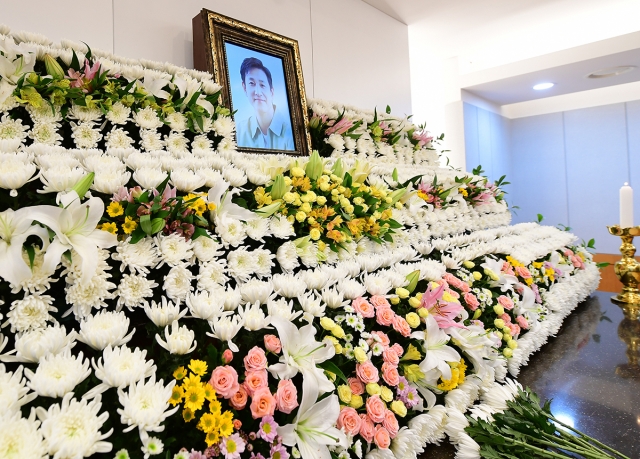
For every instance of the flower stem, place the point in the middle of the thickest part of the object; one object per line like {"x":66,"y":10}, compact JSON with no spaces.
{"x":585,"y":436}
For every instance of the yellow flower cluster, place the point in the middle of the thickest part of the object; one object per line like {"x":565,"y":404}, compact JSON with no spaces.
{"x":198,"y":203}
{"x":193,"y":392}
{"x":458,"y":372}
{"x":513,"y":262}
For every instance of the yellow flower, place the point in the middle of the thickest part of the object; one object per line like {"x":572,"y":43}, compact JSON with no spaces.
{"x":191,"y":382}
{"x":115,"y":209}
{"x":413,"y":373}
{"x":477,"y":275}
{"x":446,"y":296}
{"x":373,"y":389}
{"x":386,"y":394}
{"x":297,"y":172}
{"x":179,"y":373}
{"x":327,"y":323}
{"x":424,"y":312}
{"x":198,"y":367}
{"x":212,"y":437}
{"x":110,"y":228}
{"x":414,"y":302}
{"x":315,"y":234}
{"x":468,"y":264}
{"x":262,"y":198}
{"x":413,"y":319}
{"x":209,"y":392}
{"x":399,"y":408}
{"x":226,"y":424}
{"x":129,"y":225}
{"x":207,"y":422}
{"x":507,"y":352}
{"x":360,"y":355}
{"x":338,"y":332}
{"x":402,"y":292}
{"x":412,"y":353}
{"x":176,"y":395}
{"x":187,"y":415}
{"x":499,"y":323}
{"x":211,"y":206}
{"x":215,"y":407}
{"x":194,"y":398}
{"x":356,"y":401}
{"x":344,"y":392}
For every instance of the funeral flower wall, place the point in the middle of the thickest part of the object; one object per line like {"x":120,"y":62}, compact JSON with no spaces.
{"x":163,"y":293}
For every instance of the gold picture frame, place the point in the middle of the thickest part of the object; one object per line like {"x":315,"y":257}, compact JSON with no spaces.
{"x":262,"y":84}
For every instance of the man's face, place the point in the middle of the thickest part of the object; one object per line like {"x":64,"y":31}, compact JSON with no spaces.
{"x":256,"y":87}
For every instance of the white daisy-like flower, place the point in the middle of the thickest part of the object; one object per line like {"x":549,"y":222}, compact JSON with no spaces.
{"x":152,"y":446}
{"x":173,"y":249}
{"x":176,"y":142}
{"x":256,"y":291}
{"x":15,"y":173}
{"x":139,"y":257}
{"x":12,"y":134}
{"x":212,"y":275}
{"x":110,"y":181}
{"x":164,"y":312}
{"x":20,"y":438}
{"x":84,"y":114}
{"x":118,"y":138}
{"x":31,"y":346}
{"x":225,"y":328}
{"x":133,"y":289}
{"x":58,"y":374}
{"x":205,"y":305}
{"x":234,"y":176}
{"x":186,"y":180}
{"x":287,"y":256}
{"x":30,"y":313}
{"x":253,"y":317}
{"x":147,"y":118}
{"x":206,"y":249}
{"x":231,"y":231}
{"x":202,"y":144}
{"x":13,"y":391}
{"x":151,"y":140}
{"x":258,"y":228}
{"x":44,"y":113}
{"x":45,"y":132}
{"x":149,"y":177}
{"x":224,"y":126}
{"x":106,"y":328}
{"x":180,"y":340}
{"x":145,"y":405}
{"x":72,"y":428}
{"x":241,"y":264}
{"x":85,"y":135}
{"x":60,"y":178}
{"x":119,"y":113}
{"x":120,"y":367}
{"x":288,"y":285}
{"x":177,"y":283}
{"x":281,"y":227}
{"x":176,"y":121}
{"x":92,"y":294}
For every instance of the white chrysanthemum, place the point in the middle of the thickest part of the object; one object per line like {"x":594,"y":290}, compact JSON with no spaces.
{"x":211,"y":177}
{"x":133,"y":289}
{"x":97,"y":162}
{"x":15,"y":173}
{"x":92,"y":294}
{"x":288,"y":285}
{"x":164,"y":312}
{"x":232,"y":298}
{"x":40,"y":280}
{"x":146,"y":405}
{"x":287,"y":256}
{"x":12,"y":134}
{"x":186,"y":180}
{"x":119,"y":113}
{"x":138,"y":257}
{"x":13,"y":391}
{"x":256,"y":291}
{"x":281,"y":227}
{"x":224,"y":126}
{"x":147,"y":118}
{"x":58,"y":374}
{"x":151,"y":140}
{"x":85,"y":135}
{"x":498,"y":395}
{"x":84,"y":114}
{"x":315,"y":279}
{"x":231,"y":231}
{"x":333,"y":298}
{"x":30,"y":313}
{"x":377,"y":284}
{"x":174,"y":249}
{"x":110,"y":181}
{"x":253,"y":317}
{"x":44,"y":113}
{"x":282,"y":308}
{"x":149,"y":177}
{"x":177,"y":284}
{"x":312,"y":305}
{"x":205,"y":305}
{"x":258,"y":228}
{"x":176,"y":121}
{"x":201,"y":144}
{"x":212,"y":275}
{"x":226,"y":328}
{"x":264,"y":262}
{"x":177,"y":143}
{"x":241,"y":264}
{"x":20,"y":438}
{"x":206,"y":249}
{"x":47,"y":159}
{"x":31,"y":346}
{"x":406,"y":444}
{"x":60,"y":178}
{"x":120,"y":367}
{"x":106,"y":328}
{"x":118,"y":138}
{"x":180,"y":340}
{"x":45,"y":132}
{"x":234,"y":176}
{"x":351,"y":288}
{"x":308,"y":254}
{"x":72,"y":429}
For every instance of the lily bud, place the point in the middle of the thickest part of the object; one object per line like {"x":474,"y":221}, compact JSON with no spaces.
{"x":314,"y":166}
{"x":413,"y":279}
{"x":53,"y":68}
{"x":279,"y":188}
{"x":269,"y":210}
{"x":397,"y":195}
{"x":337,"y":169}
{"x":84,"y":184}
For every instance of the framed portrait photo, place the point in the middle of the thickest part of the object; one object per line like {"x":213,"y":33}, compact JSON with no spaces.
{"x":261,"y":78}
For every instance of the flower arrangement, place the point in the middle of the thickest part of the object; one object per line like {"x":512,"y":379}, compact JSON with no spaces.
{"x":197,"y":302}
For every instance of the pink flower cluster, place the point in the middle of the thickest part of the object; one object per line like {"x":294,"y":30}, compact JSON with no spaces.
{"x":385,"y":316}
{"x":575,"y":260}
{"x":515,"y":329}
{"x":378,"y":425}
{"x":445,"y":312}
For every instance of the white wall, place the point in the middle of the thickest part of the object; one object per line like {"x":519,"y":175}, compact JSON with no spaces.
{"x":351,"y":52}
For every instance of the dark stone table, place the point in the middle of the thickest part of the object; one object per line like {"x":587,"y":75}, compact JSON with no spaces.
{"x":591,"y":372}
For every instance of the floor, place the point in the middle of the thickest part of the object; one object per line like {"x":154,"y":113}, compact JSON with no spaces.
{"x":591,"y":375}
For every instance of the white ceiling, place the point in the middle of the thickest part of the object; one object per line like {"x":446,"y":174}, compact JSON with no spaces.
{"x":498,"y":37}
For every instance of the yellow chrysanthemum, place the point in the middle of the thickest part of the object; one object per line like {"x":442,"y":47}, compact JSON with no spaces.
{"x":212,"y":437}
{"x":192,"y":381}
{"x":187,"y":415}
{"x":115,"y":209}
{"x":176,"y":395}
{"x":110,"y":228}
{"x":198,"y":367}
{"x":179,"y":373}
{"x":207,"y":422}
{"x":209,"y":392}
{"x":215,"y":407}
{"x":194,"y":398}
{"x":129,"y":225}
{"x":226,"y":424}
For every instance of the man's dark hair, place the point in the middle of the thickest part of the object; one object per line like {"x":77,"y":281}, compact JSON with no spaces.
{"x":253,"y":63}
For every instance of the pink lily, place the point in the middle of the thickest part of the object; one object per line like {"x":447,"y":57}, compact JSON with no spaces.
{"x":443,"y":311}
{"x":340,"y":127}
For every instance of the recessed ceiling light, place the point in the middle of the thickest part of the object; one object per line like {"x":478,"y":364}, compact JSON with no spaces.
{"x":541,"y":86}
{"x":611,"y":71}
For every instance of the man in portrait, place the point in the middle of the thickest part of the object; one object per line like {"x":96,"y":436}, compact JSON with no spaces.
{"x":267,"y":127}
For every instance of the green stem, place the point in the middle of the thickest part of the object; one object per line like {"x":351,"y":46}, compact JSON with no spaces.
{"x":540,"y":451}
{"x":582,"y":441}
{"x":569,"y":447}
{"x":583,"y":435}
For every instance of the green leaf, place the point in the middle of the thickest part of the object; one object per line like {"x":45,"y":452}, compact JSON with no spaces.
{"x":145,"y":224}
{"x":394,"y":175}
{"x":540,"y":218}
{"x":156,"y":225}
{"x":602,"y":264}
{"x":328,"y":365}
{"x":388,"y":110}
{"x":200,"y":232}
{"x":137,"y":236}
{"x":32,"y":255}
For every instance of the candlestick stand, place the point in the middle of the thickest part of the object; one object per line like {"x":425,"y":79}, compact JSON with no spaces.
{"x":628,"y":271}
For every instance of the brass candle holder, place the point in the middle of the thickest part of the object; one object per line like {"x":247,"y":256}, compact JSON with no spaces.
{"x":628,"y":271}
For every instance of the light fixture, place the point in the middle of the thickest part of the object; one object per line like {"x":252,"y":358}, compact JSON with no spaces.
{"x":611,"y":71}
{"x":541,"y":86}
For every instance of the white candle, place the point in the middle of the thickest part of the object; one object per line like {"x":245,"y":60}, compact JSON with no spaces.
{"x":626,"y":206}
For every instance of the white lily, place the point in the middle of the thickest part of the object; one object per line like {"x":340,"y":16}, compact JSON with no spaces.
{"x":75,"y":228}
{"x":437,"y":353}
{"x":505,"y":281}
{"x":300,"y":353}
{"x":15,"y":228}
{"x":221,"y":197}
{"x":475,"y":343}
{"x":153,"y":84}
{"x":313,"y":428}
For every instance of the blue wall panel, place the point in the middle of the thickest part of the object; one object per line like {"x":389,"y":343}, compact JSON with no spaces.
{"x":633,"y":133}
{"x":500,"y":135}
{"x":485,"y":155}
{"x":597,"y":165}
{"x":471,"y":135}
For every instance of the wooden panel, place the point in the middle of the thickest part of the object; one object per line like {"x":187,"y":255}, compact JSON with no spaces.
{"x":609,"y":281}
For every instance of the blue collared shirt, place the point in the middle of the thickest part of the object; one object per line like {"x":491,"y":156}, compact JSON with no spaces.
{"x":278,"y":136}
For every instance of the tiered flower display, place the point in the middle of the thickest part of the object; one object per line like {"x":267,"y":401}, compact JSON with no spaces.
{"x":163,"y":294}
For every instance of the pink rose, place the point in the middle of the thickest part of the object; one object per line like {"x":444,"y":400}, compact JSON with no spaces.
{"x":384,"y":316}
{"x":375,"y":408}
{"x":349,"y":421}
{"x":367,"y":372}
{"x":390,"y":374}
{"x":262,"y":403}
{"x":356,"y":386}
{"x":506,"y":317}
{"x":286,"y":396}
{"x":515,"y":329}
{"x":224,"y":380}
{"x":363,"y":307}
{"x":367,"y":428}
{"x":401,"y":326}
{"x":522,"y":322}
{"x":453,"y":293}
{"x":390,"y":423}
{"x":384,"y":339}
{"x":227,"y":356}
{"x":398,"y":349}
{"x":523,"y":272}
{"x":382,"y":438}
{"x":255,"y":360}
{"x":255,"y":380}
{"x":471,"y":301}
{"x":272,"y":343}
{"x":379,"y":302}
{"x":505,"y":301}
{"x":239,"y":399}
{"x":390,"y":356}
{"x":507,"y":269}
